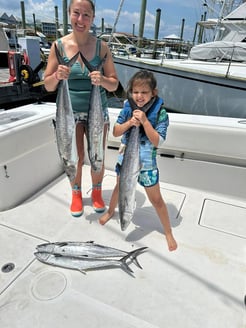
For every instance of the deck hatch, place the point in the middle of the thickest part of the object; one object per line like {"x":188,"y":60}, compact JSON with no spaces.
{"x":224,"y":217}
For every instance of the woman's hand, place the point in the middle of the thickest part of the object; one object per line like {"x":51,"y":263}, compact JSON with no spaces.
{"x":62,"y":72}
{"x":96,"y":77}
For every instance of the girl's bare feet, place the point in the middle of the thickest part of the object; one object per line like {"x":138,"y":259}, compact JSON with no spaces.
{"x":105,"y":217}
{"x":171,"y":242}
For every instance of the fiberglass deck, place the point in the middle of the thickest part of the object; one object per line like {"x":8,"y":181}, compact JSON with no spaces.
{"x":202,"y":284}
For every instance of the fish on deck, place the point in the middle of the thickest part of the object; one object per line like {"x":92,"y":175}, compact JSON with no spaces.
{"x":87,"y":249}
{"x":85,"y":262}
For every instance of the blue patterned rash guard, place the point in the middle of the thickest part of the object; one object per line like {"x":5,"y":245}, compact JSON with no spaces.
{"x":159,"y":119}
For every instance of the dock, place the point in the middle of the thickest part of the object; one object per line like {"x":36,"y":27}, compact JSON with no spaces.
{"x":17,"y":93}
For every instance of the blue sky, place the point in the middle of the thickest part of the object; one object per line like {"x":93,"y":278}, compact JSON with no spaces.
{"x":172,"y":13}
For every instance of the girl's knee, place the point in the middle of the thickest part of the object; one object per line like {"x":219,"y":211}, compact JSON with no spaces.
{"x":156,"y":200}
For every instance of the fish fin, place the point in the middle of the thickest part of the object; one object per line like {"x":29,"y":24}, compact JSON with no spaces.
{"x":91,"y":67}
{"x":145,"y":108}
{"x":87,"y":64}
{"x":82,"y":271}
{"x":125,"y":265}
{"x":61,"y":243}
{"x":135,"y":253}
{"x":73,"y":59}
{"x":132,"y":103}
{"x":61,"y":60}
{"x":57,"y":255}
{"x":59,"y":56}
{"x":54,"y":123}
{"x":133,"y":256}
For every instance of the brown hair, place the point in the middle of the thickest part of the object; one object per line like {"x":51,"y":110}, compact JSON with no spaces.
{"x":90,"y":2}
{"x":142,"y":77}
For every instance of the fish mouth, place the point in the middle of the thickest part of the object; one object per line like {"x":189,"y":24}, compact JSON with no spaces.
{"x":47,"y":248}
{"x":42,"y":256}
{"x":124,"y":225}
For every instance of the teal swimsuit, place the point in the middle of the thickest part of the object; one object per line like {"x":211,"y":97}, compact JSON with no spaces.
{"x":79,"y":84}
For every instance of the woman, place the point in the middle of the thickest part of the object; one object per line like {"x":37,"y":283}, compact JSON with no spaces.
{"x":80,"y":80}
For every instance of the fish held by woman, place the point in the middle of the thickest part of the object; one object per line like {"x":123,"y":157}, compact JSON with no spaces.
{"x":65,"y":124}
{"x":95,"y":122}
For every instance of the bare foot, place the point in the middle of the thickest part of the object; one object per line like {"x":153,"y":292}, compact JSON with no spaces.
{"x":171,"y":242}
{"x":105,"y":217}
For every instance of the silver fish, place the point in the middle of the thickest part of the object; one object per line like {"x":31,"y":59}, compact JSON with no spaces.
{"x":65,"y":124}
{"x":128,"y":179}
{"x":87,"y":249}
{"x":86,"y":264}
{"x":129,"y":172}
{"x":95,"y":121}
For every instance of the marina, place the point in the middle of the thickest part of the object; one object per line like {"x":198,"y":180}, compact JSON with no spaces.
{"x":212,"y":81}
{"x":202,"y":167}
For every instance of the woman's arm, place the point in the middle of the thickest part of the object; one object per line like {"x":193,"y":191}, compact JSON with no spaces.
{"x":109,"y":79}
{"x":54,"y":72}
{"x":50,"y":76}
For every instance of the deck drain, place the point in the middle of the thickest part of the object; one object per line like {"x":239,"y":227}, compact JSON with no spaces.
{"x":48,"y":285}
{"x":8,"y":267}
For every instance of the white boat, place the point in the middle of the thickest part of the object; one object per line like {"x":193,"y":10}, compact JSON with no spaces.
{"x":119,"y":43}
{"x":213,"y":83}
{"x":202,"y":284}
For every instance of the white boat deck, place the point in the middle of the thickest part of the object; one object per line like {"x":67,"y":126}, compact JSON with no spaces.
{"x":202,"y":284}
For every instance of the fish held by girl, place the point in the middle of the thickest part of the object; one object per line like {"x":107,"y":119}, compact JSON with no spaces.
{"x":129,"y":171}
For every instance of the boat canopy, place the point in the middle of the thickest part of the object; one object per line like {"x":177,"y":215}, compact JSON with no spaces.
{"x":219,"y":50}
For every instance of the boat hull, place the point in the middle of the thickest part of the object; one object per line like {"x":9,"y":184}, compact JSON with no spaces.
{"x":201,"y":152}
{"x":29,"y":156}
{"x":190,"y":87}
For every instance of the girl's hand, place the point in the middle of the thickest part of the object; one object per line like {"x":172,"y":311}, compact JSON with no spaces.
{"x":140,"y":116}
{"x":134,"y":121}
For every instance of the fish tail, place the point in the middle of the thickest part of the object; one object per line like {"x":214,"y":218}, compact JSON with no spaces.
{"x":59,"y":56}
{"x":61,"y":60}
{"x":134,"y":255}
{"x":89,"y":66}
{"x":125,"y":265}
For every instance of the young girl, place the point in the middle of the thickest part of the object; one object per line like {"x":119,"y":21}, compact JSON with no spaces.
{"x":142,"y":88}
